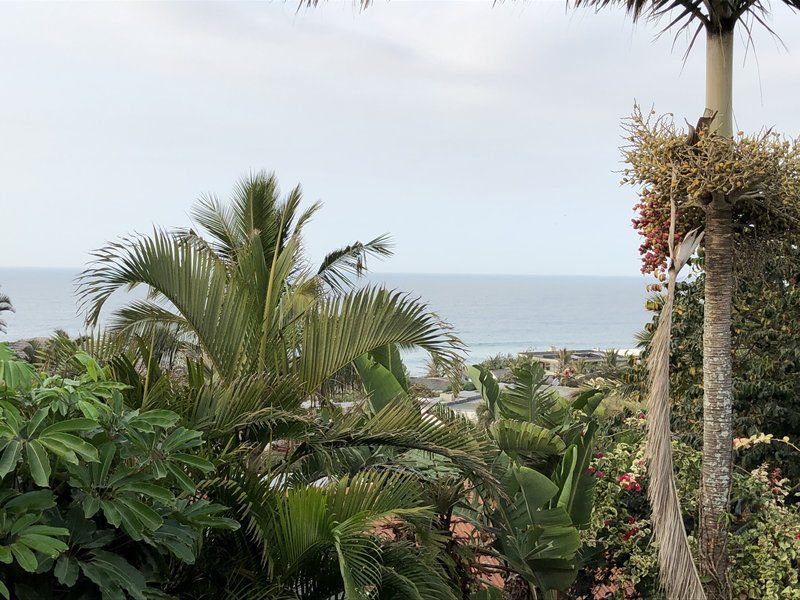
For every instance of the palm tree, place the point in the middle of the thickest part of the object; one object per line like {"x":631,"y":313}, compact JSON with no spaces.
{"x":247,"y":297}
{"x":718,"y":18}
{"x":311,"y":486}
{"x":5,"y":306}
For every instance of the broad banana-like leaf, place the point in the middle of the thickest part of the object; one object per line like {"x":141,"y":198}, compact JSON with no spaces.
{"x":15,"y":374}
{"x":588,"y":401}
{"x":535,"y":490}
{"x":574,"y":481}
{"x":486,"y":383}
{"x":381,"y":385}
{"x":389,"y":357}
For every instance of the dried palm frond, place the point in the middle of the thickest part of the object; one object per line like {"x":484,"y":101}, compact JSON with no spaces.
{"x":678,"y":574}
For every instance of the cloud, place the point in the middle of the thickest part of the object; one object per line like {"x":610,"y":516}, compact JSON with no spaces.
{"x":484,"y":138}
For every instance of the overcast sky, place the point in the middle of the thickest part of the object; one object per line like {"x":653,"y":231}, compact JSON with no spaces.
{"x":484,"y":139}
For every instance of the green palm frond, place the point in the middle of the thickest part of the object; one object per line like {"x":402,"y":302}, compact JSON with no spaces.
{"x":299,"y":530}
{"x":339,"y":267}
{"x":403,"y":425}
{"x":253,"y":408}
{"x":213,"y":306}
{"x":340,"y":330}
{"x":412,"y":573}
{"x":520,"y":438}
{"x":245,"y":298}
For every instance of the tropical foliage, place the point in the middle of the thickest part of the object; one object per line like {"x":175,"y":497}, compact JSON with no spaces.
{"x":96,"y":499}
{"x":223,"y":387}
{"x":546,"y":444}
{"x":246,"y":297}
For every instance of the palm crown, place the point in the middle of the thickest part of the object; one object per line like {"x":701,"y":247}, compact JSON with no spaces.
{"x":716,"y":16}
{"x":246,"y":295}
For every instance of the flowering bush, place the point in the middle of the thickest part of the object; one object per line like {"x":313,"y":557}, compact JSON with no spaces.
{"x":765,"y":526}
{"x":765,"y":555}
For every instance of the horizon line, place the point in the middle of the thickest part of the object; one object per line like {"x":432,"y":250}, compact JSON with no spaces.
{"x":367,"y":273}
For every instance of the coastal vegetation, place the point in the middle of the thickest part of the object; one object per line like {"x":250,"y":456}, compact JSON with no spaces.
{"x":720,"y":184}
{"x":247,"y":428}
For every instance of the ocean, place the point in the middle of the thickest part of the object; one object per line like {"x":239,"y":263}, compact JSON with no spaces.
{"x":491,"y":313}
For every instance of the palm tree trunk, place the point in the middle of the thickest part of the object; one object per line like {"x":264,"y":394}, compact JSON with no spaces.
{"x":717,"y":368}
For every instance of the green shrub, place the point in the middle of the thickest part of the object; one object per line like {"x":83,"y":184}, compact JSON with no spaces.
{"x":96,"y":500}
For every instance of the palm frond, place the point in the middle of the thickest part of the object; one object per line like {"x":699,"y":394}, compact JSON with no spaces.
{"x":717,"y":18}
{"x":403,"y":425}
{"x":340,"y":266}
{"x":678,"y":573}
{"x":252,"y":408}
{"x":196,"y":283}
{"x":5,"y":306}
{"x":339,"y":330}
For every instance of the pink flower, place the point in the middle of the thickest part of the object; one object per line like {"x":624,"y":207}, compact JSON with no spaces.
{"x":637,"y":487}
{"x":599,"y":474}
{"x":607,"y":522}
{"x":599,"y":455}
{"x":627,"y":535}
{"x":631,"y":520}
{"x":624,"y":477}
{"x":590,"y":469}
{"x":641,"y":415}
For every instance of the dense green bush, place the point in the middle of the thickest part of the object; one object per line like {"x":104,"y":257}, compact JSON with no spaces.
{"x":96,"y":499}
{"x":766,"y":352}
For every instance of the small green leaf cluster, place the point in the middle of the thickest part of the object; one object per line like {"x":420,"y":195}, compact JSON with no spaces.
{"x":96,"y":498}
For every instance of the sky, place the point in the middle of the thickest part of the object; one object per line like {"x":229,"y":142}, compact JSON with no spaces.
{"x":484,"y":139}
